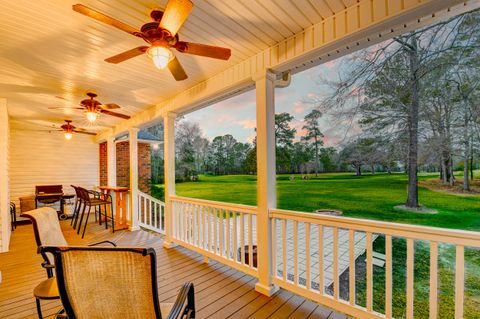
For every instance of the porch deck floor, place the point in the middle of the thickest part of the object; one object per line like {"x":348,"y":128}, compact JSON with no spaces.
{"x":220,"y":291}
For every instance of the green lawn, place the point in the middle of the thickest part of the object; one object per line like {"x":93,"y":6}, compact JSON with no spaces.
{"x":365,"y":196}
{"x":374,"y":197}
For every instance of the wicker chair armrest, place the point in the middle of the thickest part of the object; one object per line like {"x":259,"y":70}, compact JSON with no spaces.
{"x":184,"y":306}
{"x":104,"y":242}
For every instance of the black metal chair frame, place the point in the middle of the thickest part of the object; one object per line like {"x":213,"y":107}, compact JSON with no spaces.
{"x":46,"y":264}
{"x":96,"y":200}
{"x":13,"y":215}
{"x":179,"y":310}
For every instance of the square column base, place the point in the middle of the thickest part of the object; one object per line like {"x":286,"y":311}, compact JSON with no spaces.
{"x":266,"y":290}
{"x":169,"y":244}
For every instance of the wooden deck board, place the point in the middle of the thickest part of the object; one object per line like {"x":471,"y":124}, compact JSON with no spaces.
{"x":220,"y":291}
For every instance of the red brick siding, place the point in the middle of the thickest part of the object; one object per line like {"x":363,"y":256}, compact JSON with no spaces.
{"x":123,"y":164}
{"x":144,"y":166}
{"x":103,"y":163}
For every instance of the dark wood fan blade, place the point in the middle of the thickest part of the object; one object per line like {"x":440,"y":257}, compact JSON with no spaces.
{"x":177,"y":70}
{"x":204,"y":50}
{"x":80,"y":8}
{"x":109,"y":106}
{"x":65,"y":107}
{"x":127,"y":55}
{"x":84,"y":132}
{"x":175,"y":15}
{"x":123,"y":116}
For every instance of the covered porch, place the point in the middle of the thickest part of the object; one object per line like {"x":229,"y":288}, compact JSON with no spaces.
{"x":245,"y":261}
{"x":221,"y":291}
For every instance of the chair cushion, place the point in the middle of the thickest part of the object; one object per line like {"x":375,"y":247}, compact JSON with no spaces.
{"x":48,"y":226}
{"x":47,"y":289}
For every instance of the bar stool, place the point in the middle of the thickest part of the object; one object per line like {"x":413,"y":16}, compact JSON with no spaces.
{"x":97,"y":201}
{"x":78,"y":205}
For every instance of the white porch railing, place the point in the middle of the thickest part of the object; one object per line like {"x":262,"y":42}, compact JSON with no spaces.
{"x":221,"y":231}
{"x":298,"y":268}
{"x":228,"y":233}
{"x":151,"y":213}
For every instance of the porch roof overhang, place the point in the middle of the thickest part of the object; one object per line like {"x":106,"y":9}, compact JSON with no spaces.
{"x":358,"y":25}
{"x":62,"y":55}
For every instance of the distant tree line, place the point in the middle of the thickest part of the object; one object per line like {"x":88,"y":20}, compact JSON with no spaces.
{"x":415,"y":98}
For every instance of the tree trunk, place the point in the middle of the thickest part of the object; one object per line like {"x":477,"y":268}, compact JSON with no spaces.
{"x":373,"y":169}
{"x":358,"y":170}
{"x":451,"y":177}
{"x":412,"y":197}
{"x":316,"y":156}
{"x":466,"y":155}
{"x":471,"y":166}
{"x":445,"y":176}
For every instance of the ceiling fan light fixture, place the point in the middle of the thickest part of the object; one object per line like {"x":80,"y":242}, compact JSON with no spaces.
{"x":160,"y":56}
{"x":68,"y":135}
{"x":91,"y":116}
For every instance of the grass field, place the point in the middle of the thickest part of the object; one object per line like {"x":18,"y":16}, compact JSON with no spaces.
{"x":367,"y":196}
{"x":374,"y":197}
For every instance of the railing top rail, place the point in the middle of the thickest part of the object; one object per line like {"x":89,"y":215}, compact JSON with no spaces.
{"x":459,"y":237}
{"x":221,"y":205}
{"x":150,"y":197}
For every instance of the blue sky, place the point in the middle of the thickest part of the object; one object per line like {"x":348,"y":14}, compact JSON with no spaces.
{"x":236,"y":116}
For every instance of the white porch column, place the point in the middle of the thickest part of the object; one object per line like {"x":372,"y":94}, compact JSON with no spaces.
{"x":111,"y":161}
{"x":133,"y":144}
{"x":266,"y":192}
{"x":169,"y":175}
{"x":4,"y":179}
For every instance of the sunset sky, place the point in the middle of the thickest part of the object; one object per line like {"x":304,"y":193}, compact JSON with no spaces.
{"x":236,"y":116}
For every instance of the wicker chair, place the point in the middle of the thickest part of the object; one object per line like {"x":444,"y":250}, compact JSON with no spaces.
{"x":110,"y":283}
{"x":48,"y":232}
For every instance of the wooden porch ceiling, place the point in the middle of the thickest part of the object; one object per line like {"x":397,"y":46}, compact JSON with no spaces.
{"x":220,"y":291}
{"x":49,"y":50}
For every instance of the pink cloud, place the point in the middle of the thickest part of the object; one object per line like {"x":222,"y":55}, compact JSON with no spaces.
{"x":248,"y":123}
{"x":224,"y":118}
{"x":298,"y":125}
{"x":298,"y":107}
{"x":330,"y":64}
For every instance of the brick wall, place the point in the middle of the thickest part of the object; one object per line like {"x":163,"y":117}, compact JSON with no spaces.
{"x":103,"y":163}
{"x":144,"y":166}
{"x":123,"y":164}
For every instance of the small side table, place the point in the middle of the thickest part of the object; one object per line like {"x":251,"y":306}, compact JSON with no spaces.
{"x":120,"y":204}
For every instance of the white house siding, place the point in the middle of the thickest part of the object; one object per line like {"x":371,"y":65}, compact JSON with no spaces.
{"x":46,"y":158}
{"x":4,"y":178}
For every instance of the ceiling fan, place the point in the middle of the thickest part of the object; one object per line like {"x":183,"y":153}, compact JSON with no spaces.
{"x":69,"y":129}
{"x":161,"y":35}
{"x":93,"y":108}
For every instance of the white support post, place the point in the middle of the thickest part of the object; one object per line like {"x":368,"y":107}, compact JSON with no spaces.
{"x":111,"y":161}
{"x":4,"y":181}
{"x":266,"y":180}
{"x":169,"y":176}
{"x":133,"y":144}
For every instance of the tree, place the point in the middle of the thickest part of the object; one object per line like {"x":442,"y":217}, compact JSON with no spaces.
{"x":302,"y":154}
{"x":384,"y":87}
{"x":284,"y":136}
{"x":313,"y":133}
{"x":352,"y":154}
{"x":327,"y":158}
{"x":189,"y":142}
